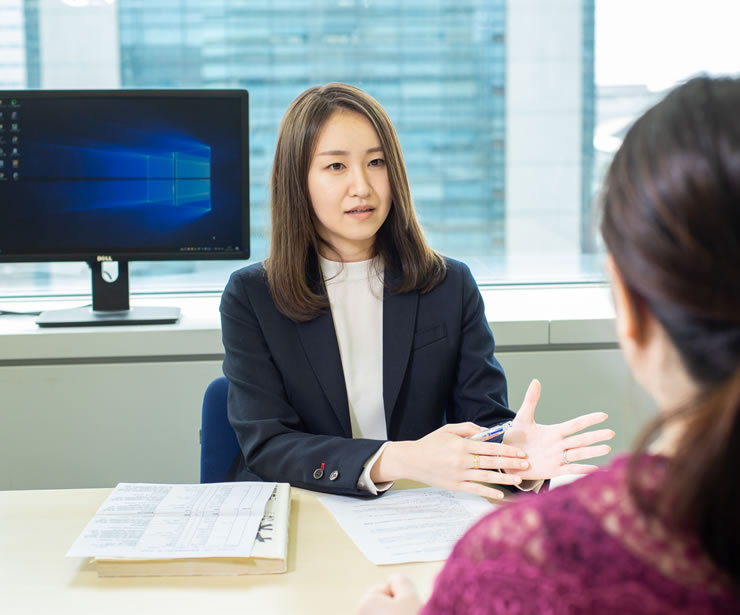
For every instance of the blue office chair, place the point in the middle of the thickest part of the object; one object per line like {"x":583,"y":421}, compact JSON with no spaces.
{"x":218,"y":444}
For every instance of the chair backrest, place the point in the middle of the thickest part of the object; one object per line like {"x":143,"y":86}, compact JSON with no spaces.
{"x":218,"y":444}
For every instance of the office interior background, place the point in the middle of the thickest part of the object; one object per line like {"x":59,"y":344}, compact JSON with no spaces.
{"x":508,"y":112}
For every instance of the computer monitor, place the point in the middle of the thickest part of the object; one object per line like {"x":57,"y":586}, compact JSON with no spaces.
{"x":122,"y":175}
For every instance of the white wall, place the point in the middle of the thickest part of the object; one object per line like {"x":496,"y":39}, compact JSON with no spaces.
{"x":94,"y":425}
{"x":91,"y":408}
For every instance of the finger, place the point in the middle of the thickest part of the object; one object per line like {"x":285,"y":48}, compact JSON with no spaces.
{"x":494,"y":462}
{"x":588,"y":452}
{"x":492,"y":477}
{"x":374,"y":598}
{"x":482,"y":490}
{"x":380,"y":588}
{"x":589,"y":438}
{"x":577,"y":468}
{"x":491,"y":449}
{"x":463,"y":430}
{"x":582,"y":422}
{"x":400,"y":585}
{"x":531,"y":397}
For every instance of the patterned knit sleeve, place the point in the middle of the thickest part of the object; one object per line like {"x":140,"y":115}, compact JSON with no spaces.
{"x":496,"y":568}
{"x":583,"y":548}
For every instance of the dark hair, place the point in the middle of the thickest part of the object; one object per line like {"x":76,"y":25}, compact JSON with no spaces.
{"x":292,"y":266}
{"x":671,"y":221}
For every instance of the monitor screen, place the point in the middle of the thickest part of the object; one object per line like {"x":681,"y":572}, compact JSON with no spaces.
{"x":123,"y":175}
{"x":132,"y":175}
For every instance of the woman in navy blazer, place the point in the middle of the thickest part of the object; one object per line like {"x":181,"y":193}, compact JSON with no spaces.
{"x":339,"y":191}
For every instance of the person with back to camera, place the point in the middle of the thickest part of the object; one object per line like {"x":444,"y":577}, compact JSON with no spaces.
{"x":656,"y":532}
{"x":356,"y":355}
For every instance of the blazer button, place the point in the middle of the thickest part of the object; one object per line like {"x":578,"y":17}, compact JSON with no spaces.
{"x":334,"y":475}
{"x":318,"y":473}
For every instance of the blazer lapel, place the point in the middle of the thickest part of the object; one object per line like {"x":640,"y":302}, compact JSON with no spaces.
{"x":399,"y":323}
{"x":319,"y":340}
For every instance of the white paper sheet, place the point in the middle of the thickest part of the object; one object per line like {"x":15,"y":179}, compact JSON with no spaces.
{"x":155,"y":521}
{"x":411,"y":525}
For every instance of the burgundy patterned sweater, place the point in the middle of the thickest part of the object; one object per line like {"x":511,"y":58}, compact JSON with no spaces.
{"x":581,"y":549}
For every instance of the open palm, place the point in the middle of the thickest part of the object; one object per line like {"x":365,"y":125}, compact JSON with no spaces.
{"x":546,"y":445}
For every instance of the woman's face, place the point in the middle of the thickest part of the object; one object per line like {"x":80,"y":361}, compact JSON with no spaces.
{"x":348,"y":185}
{"x":649,"y":352}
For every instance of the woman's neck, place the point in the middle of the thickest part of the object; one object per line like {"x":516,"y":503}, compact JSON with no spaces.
{"x":346,"y":256}
{"x":666,"y":443}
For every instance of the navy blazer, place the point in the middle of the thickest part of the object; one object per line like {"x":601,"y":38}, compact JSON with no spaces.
{"x":287,"y":396}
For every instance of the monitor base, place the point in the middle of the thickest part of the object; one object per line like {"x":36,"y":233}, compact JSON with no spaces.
{"x":87,"y":317}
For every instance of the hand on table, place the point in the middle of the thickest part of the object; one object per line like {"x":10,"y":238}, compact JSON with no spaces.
{"x":445,"y":458}
{"x":553,"y":450}
{"x":397,"y":596}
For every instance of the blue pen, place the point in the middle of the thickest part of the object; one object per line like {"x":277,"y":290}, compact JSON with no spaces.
{"x":491,"y":432}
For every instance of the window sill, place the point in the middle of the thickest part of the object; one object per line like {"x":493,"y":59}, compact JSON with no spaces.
{"x":550,"y":316}
{"x":522,"y":318}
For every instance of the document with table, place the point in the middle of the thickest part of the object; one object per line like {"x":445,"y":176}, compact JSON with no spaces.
{"x":412,"y":525}
{"x":212,"y":529}
{"x":160,"y":529}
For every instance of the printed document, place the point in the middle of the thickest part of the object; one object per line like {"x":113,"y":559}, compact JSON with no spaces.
{"x":409,"y":525}
{"x":156,"y":521}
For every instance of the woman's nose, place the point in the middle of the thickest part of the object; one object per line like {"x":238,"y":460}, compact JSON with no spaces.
{"x":360,"y":186}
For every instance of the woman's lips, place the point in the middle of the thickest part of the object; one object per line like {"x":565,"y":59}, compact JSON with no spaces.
{"x":360,"y":213}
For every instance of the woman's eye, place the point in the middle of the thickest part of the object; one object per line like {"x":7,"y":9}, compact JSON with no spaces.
{"x":377,"y":162}
{"x":335,"y":166}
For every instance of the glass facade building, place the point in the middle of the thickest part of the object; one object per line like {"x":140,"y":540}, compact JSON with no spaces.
{"x":437,"y":66}
{"x":12,"y":45}
{"x":445,"y":70}
{"x":32,"y":34}
{"x":588,"y":158}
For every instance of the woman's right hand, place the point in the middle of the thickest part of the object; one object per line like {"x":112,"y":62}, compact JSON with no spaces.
{"x":445,"y":458}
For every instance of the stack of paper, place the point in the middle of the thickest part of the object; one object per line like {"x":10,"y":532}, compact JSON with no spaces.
{"x":220,"y":529}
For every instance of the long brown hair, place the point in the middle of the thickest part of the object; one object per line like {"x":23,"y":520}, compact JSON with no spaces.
{"x":671,"y":220}
{"x":292,"y":266}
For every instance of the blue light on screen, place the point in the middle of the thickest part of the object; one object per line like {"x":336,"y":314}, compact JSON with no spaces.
{"x":158,"y":174}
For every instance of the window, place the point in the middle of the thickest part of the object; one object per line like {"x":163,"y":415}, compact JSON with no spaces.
{"x":508,"y":112}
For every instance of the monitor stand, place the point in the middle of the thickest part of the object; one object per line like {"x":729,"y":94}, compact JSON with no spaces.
{"x":110,"y":305}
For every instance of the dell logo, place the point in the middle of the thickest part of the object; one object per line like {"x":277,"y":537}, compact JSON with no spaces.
{"x":102,"y":259}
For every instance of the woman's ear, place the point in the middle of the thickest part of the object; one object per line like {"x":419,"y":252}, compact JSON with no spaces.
{"x":627,"y":309}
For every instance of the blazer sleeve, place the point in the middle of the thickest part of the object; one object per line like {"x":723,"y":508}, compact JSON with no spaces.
{"x":480,"y":393}
{"x":276,"y":442}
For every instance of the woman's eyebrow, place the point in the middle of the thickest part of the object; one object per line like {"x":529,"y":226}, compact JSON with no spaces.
{"x":341,"y":152}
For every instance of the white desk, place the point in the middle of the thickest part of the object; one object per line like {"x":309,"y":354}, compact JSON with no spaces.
{"x":326,"y":573}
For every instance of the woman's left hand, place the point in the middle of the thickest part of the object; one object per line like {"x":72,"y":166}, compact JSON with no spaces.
{"x":397,"y":596}
{"x":553,"y":450}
